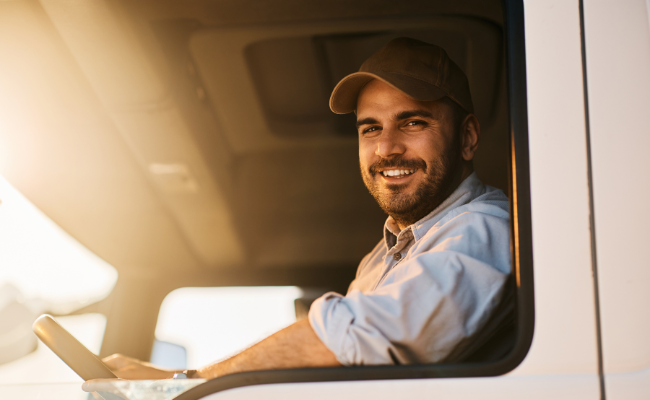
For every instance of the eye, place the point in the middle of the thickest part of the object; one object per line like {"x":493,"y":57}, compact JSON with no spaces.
{"x":370,"y":129}
{"x":415,"y":123}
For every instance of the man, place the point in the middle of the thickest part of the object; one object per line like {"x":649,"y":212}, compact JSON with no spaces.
{"x":433,"y":281}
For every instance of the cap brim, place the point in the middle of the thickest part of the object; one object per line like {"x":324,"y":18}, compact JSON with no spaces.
{"x":345,"y":94}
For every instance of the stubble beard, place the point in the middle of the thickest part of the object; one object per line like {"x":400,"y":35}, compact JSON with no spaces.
{"x":440,"y":179}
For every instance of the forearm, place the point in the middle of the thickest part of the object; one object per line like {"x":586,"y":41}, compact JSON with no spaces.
{"x":296,"y":346}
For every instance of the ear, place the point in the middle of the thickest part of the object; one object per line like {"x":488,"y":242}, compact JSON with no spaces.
{"x":471,"y":132}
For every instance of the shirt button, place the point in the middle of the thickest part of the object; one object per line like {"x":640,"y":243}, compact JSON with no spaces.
{"x":397,"y":256}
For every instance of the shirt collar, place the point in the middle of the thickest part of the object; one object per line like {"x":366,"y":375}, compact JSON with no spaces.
{"x":464,"y":193}
{"x":391,"y":232}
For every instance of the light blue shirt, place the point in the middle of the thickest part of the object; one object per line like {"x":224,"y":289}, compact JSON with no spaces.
{"x":422,"y":292}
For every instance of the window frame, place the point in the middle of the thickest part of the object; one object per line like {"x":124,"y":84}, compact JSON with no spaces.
{"x":521,"y":248}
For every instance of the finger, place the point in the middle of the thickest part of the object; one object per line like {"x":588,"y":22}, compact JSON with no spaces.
{"x":118,"y":361}
{"x":144,"y":373}
{"x":139,"y":371}
{"x":111,"y":396}
{"x":112,"y":359}
{"x":105,"y":388}
{"x":101,"y":385}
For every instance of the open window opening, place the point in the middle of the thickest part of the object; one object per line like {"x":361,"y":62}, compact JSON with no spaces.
{"x":285,"y":74}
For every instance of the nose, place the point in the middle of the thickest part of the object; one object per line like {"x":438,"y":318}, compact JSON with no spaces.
{"x":390,"y":143}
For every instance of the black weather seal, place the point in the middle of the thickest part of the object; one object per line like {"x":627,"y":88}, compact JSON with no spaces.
{"x":337,"y":374}
{"x":592,"y":220}
{"x":522,"y":257}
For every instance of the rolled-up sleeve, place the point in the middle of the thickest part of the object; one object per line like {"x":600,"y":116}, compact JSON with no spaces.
{"x":421,"y":310}
{"x":331,"y":319}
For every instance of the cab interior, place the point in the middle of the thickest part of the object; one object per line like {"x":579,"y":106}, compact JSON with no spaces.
{"x":190,"y":143}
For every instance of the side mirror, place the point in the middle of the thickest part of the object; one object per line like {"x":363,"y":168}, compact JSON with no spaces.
{"x":169,"y":355}
{"x":16,"y":336}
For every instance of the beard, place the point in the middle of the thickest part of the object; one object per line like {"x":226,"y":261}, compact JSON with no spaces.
{"x":441,"y":177}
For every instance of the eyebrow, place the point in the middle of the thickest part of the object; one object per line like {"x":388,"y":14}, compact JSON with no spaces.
{"x":366,"y":121}
{"x":414,"y":113}
{"x":399,"y":117}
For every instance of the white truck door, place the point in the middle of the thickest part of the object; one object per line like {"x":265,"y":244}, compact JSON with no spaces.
{"x":617,"y":37}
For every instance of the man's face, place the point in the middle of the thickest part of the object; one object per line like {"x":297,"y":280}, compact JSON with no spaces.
{"x":409,"y":151}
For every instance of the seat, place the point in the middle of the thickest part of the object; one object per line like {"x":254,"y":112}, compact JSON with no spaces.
{"x":497,"y":338}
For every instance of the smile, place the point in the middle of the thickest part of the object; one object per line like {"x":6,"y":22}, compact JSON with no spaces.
{"x":397,"y":173}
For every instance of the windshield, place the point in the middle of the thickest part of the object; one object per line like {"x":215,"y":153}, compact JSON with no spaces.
{"x":44,"y":270}
{"x":47,"y":271}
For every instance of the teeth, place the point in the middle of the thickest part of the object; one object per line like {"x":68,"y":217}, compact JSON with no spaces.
{"x":397,"y":172}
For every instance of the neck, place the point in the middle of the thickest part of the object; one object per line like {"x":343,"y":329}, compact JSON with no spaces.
{"x":464,"y":172}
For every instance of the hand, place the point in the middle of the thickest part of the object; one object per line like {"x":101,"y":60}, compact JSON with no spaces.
{"x":109,"y":389}
{"x":129,"y":368}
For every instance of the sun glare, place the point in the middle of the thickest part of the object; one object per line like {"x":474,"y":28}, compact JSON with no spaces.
{"x":213,"y":323}
{"x":43,"y":262}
